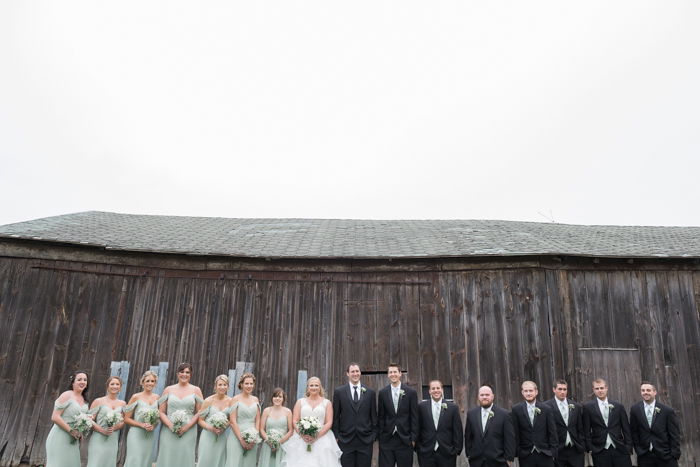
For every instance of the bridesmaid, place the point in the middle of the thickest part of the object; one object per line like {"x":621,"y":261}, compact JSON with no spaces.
{"x":62,"y":449}
{"x":212,"y":441}
{"x":278,"y":417}
{"x":245,"y":414}
{"x":139,"y":441}
{"x":104,"y":441}
{"x":177,"y":449}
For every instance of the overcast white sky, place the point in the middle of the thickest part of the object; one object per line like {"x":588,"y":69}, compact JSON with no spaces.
{"x":577,"y":112}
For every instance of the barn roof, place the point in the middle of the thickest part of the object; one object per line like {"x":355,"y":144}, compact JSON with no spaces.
{"x":342,"y":238}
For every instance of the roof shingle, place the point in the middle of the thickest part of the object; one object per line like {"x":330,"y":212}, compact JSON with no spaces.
{"x":342,"y":238}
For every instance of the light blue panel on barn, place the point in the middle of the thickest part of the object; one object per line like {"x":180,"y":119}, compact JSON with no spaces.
{"x":302,"y":377}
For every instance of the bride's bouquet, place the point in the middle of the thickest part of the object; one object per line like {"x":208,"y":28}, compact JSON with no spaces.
{"x":82,"y":423}
{"x":250,"y":436}
{"x":179,"y":419}
{"x":309,"y":426}
{"x":219,"y":421}
{"x":113,"y":418}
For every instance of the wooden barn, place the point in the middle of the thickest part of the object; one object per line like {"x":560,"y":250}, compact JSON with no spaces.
{"x":463,"y":301}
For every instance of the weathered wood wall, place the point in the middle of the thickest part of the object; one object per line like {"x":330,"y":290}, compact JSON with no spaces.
{"x":464,"y":322}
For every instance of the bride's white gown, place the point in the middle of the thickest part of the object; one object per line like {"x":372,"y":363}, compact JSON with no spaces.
{"x":324,"y":451}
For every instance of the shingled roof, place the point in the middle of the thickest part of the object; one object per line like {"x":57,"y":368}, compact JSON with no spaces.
{"x":342,"y":238}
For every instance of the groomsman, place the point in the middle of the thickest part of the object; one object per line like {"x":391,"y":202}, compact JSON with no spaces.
{"x":607,"y":429}
{"x":355,"y":419}
{"x":398,"y":421}
{"x":440,"y":430}
{"x":655,"y":432}
{"x":535,"y":430}
{"x":568,"y":417}
{"x":489,"y":440}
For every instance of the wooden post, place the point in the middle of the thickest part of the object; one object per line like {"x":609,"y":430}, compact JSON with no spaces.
{"x":121,"y":369}
{"x":302,"y":376}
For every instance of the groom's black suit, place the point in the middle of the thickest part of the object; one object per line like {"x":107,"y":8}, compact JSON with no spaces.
{"x":398,"y":429}
{"x":355,"y":425}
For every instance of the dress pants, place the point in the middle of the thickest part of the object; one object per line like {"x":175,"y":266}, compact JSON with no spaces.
{"x":569,"y":457}
{"x":611,"y":458}
{"x":536,"y":459}
{"x":394,"y":452}
{"x":436,"y":459}
{"x":650,"y":459}
{"x":356,"y":456}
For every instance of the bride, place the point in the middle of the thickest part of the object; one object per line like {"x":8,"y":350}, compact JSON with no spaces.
{"x":324,"y":449}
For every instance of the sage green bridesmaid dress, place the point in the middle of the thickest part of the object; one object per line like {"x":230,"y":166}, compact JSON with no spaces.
{"x":62,"y":450}
{"x":267,"y":457}
{"x":174,"y":450}
{"x":102,"y":449}
{"x":236,"y":456}
{"x":212,"y":448}
{"x":139,"y":442}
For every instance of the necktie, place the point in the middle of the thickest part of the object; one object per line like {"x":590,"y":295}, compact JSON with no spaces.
{"x":355,"y":397}
{"x":564,"y":409}
{"x":436,"y":418}
{"x":395,"y":396}
{"x":606,"y":413}
{"x":484,"y":419}
{"x":531,"y":414}
{"x":650,"y":414}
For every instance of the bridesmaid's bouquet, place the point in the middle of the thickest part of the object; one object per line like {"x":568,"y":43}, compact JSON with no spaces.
{"x":219,"y":421}
{"x":179,"y":419}
{"x":82,"y":423}
{"x":150,"y":416}
{"x":250,"y":436}
{"x":113,"y":418}
{"x":273,"y":439}
{"x":309,"y":426}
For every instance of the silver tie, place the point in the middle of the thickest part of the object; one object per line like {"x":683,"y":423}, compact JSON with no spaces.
{"x":395,"y":397}
{"x":650,"y":415}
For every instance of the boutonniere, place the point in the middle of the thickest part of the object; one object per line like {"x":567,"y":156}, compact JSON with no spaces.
{"x":444,"y":406}
{"x":490,"y":414}
{"x":572,"y":406}
{"x":537,"y":411}
{"x":363,"y":390}
{"x":402,"y":393}
{"x":657,"y":410}
{"x":610,"y":406}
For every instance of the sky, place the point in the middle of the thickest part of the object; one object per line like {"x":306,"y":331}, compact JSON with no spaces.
{"x":570,"y":112}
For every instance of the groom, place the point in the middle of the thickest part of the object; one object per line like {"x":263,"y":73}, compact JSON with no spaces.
{"x":398,"y":421}
{"x":355,"y":419}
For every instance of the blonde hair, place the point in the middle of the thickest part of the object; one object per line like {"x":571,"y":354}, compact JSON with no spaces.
{"x":322,"y":392}
{"x":146,"y":375}
{"x":223,"y":378}
{"x":244,"y":377}
{"x":109,"y":380}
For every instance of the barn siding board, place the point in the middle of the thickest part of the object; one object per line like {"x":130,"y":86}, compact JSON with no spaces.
{"x":468,"y":325}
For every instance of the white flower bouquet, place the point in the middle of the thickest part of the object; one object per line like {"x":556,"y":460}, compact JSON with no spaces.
{"x":82,"y":423}
{"x":273,"y":438}
{"x":113,"y":418}
{"x":309,"y":426}
{"x":150,"y":416}
{"x":179,"y":419}
{"x":219,"y":421}
{"x":250,"y":436}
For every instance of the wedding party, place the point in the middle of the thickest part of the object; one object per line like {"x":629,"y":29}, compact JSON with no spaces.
{"x":238,"y":431}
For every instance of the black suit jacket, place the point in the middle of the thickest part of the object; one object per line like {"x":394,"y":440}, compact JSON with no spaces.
{"x":596,"y":431}
{"x":448,"y":433}
{"x":663,"y":434}
{"x":404,"y":419}
{"x":574,"y":427}
{"x":496,"y":443}
{"x":541,"y":434}
{"x":354,"y":423}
